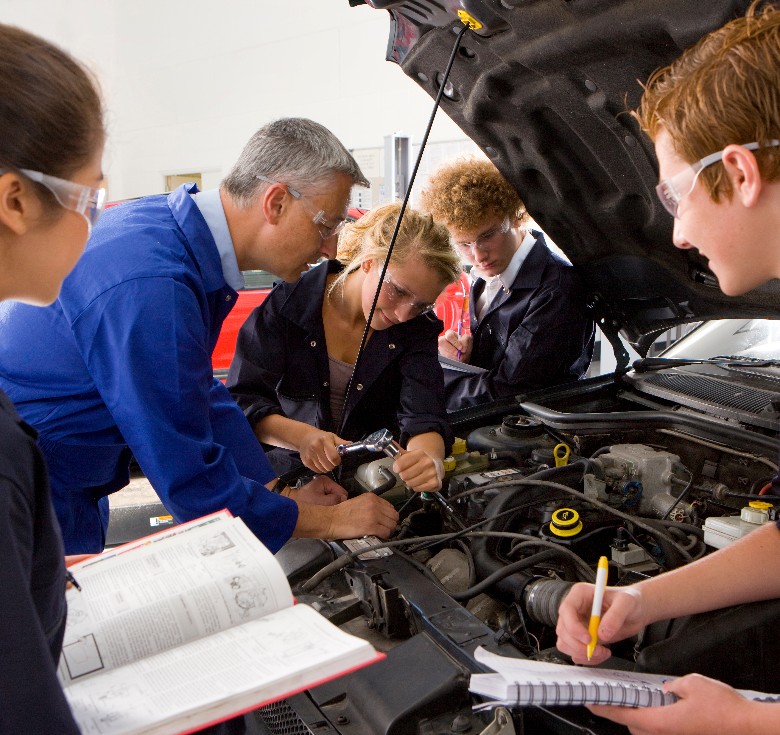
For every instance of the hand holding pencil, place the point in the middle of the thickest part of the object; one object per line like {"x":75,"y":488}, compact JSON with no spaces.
{"x":620,"y":613}
{"x":454,"y":346}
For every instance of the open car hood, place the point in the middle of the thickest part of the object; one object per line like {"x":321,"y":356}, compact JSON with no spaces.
{"x":543,"y":88}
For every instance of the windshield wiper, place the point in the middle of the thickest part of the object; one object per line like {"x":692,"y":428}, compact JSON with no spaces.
{"x":646,"y":364}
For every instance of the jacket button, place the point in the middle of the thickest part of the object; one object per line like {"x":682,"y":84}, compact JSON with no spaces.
{"x":313,"y":343}
{"x":359,"y":386}
{"x":325,"y":384}
{"x":229,"y":297}
{"x":391,"y":346}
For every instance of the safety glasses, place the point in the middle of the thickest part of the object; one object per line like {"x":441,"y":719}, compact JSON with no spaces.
{"x":486,"y":239}
{"x":320,"y":219}
{"x":399,"y":295}
{"x":671,"y":191}
{"x":85,"y":200}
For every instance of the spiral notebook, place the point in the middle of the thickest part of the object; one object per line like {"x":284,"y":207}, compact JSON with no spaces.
{"x":525,"y":682}
{"x":458,"y":366}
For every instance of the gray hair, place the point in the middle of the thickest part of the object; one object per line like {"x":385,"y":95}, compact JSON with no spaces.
{"x":294,"y":151}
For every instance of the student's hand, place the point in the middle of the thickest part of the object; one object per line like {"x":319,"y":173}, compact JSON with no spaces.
{"x":450,"y":343}
{"x":420,"y":471}
{"x":318,"y":450}
{"x":622,"y":616}
{"x":705,"y":706}
{"x":320,"y":491}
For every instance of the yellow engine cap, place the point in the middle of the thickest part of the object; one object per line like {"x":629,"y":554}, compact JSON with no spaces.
{"x":561,"y":454}
{"x":469,"y":20}
{"x":449,"y":464}
{"x":565,"y":522}
{"x":760,"y":504}
{"x":459,"y":446}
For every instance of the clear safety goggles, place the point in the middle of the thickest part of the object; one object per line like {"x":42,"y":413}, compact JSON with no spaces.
{"x":398,"y":295}
{"x":320,"y":219}
{"x":486,"y":239}
{"x":85,"y":200}
{"x":671,"y":191}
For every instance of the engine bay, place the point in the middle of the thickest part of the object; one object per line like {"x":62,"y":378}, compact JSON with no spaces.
{"x":535,"y":491}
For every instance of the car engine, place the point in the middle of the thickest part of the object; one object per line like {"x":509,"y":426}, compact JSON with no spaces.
{"x":536,"y":490}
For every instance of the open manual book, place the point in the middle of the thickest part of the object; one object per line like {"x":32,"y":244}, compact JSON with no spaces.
{"x":190,"y":627}
{"x":525,"y":682}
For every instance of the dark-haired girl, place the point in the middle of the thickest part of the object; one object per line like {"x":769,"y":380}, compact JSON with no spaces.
{"x":51,"y":144}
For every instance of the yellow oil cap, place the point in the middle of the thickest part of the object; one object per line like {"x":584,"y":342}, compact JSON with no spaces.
{"x":459,"y":446}
{"x":565,"y":522}
{"x":449,"y":464}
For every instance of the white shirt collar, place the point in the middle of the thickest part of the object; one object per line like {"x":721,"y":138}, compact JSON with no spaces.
{"x":507,"y":278}
{"x":210,"y":206}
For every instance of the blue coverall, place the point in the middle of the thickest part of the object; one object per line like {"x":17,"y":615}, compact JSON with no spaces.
{"x":121,"y":364}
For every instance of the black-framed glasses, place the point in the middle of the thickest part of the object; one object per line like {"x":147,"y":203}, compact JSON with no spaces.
{"x":398,"y":295}
{"x":671,"y":191}
{"x":325,"y":227}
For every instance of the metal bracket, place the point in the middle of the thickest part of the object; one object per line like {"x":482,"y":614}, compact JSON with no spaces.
{"x":502,"y":723}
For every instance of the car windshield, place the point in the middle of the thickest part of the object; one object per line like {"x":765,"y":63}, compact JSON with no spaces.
{"x":752,"y":338}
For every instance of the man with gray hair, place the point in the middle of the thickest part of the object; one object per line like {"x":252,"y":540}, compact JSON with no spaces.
{"x":120,"y":364}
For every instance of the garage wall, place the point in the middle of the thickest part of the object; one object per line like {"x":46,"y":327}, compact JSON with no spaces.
{"x":187,"y":83}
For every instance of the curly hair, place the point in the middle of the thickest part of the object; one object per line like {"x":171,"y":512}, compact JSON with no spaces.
{"x":725,"y":89}
{"x":466,"y":192}
{"x":419,"y":236}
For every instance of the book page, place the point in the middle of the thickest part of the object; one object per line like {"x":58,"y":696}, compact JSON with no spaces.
{"x":222,"y":516}
{"x":162,"y":594}
{"x":218,"y":676}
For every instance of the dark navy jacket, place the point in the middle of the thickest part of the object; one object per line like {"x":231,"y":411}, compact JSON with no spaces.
{"x":281,"y":367}
{"x":535,"y":335}
{"x":121,"y":362}
{"x":32,"y":588}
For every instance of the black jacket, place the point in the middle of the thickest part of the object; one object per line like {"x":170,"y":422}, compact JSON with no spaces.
{"x":535,"y":335}
{"x":32,"y":588}
{"x":281,"y":367}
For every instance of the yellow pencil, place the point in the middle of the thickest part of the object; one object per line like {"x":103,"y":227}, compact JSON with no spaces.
{"x":598,"y":599}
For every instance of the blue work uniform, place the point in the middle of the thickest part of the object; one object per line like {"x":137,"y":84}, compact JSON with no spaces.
{"x":32,"y":588}
{"x":535,"y":334}
{"x":121,"y":364}
{"x":281,"y":367}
